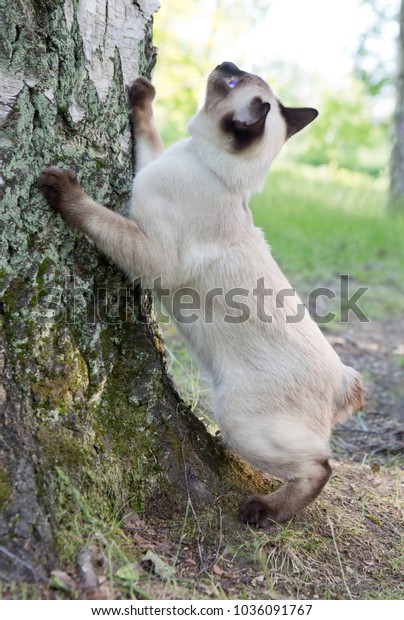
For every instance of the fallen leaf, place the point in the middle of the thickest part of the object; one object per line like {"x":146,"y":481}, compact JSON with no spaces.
{"x":153,"y":563}
{"x":128,"y":573}
{"x":60,"y":580}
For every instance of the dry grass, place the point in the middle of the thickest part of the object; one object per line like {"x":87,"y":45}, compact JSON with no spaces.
{"x":346,"y":545}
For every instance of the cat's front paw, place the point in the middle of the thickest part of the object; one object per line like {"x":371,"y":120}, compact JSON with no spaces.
{"x":141,"y":93}
{"x":62,"y":191}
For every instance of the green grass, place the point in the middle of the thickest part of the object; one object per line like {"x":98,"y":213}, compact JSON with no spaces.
{"x":321,"y":222}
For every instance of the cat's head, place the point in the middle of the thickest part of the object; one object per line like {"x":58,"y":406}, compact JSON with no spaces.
{"x":242,"y":116}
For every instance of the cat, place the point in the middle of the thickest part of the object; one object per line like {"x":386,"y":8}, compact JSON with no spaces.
{"x":278,"y":386}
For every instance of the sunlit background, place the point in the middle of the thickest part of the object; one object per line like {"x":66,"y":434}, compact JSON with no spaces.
{"x":337,"y":56}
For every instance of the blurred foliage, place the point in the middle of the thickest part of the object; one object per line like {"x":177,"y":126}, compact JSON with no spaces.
{"x":181,"y":66}
{"x":188,"y":36}
{"x":375,"y":60}
{"x":348,"y":133}
{"x":322,"y":222}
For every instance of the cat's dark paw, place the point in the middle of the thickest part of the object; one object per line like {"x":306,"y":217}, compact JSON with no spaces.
{"x":57,"y":185}
{"x":141,"y":93}
{"x":256,"y":512}
{"x":64,"y":194}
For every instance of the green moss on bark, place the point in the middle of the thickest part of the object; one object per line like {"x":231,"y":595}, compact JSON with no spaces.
{"x":5,"y":489}
{"x":73,"y":402}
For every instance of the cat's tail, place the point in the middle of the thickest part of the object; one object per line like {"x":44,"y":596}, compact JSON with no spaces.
{"x":351,"y":396}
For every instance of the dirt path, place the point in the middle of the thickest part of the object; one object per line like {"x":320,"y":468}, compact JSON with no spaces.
{"x":377,"y":350}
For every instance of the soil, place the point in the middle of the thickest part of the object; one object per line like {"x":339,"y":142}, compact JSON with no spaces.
{"x":377,"y":350}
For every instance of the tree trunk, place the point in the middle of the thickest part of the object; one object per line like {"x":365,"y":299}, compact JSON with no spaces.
{"x":396,"y":200}
{"x":88,"y":414}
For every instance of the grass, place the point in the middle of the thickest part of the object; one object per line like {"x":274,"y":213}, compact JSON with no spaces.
{"x":345,"y":545}
{"x":332,"y":550}
{"x":322,"y":222}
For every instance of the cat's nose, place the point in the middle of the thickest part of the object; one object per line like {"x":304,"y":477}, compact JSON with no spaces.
{"x":229,"y":68}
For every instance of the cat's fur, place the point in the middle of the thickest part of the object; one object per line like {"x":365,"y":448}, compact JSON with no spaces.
{"x":278,"y":387}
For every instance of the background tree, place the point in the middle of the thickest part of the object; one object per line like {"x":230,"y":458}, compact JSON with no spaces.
{"x":89,"y":421}
{"x":396,"y":202}
{"x":375,"y":62}
{"x":380,"y":68}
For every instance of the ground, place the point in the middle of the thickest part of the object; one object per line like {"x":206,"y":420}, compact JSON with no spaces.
{"x":348,"y":543}
{"x":377,"y":435}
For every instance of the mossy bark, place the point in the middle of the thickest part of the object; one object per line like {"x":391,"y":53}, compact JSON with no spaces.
{"x":85,"y":400}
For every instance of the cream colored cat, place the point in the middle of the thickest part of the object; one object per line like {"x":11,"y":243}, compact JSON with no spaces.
{"x":278,"y":385}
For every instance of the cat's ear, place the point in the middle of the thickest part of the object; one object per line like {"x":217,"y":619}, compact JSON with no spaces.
{"x":297,"y":118}
{"x":248,"y":126}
